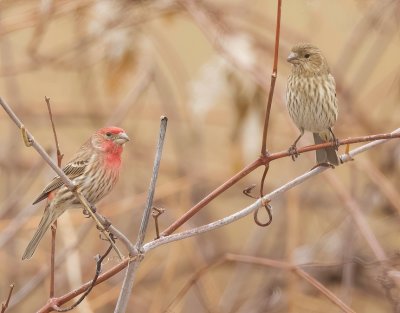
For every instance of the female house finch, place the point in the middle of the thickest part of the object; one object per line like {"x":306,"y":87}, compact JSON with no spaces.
{"x":311,"y":99}
{"x":94,"y":170}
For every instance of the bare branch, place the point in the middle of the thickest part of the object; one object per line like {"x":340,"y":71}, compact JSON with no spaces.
{"x":99,"y":261}
{"x":127,"y":285}
{"x":274,"y":75}
{"x":54,"y":226}
{"x":59,"y":155}
{"x":4,"y":305}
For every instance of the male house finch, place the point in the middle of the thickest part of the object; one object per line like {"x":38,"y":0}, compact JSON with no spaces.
{"x":311,"y":99}
{"x":94,"y":169}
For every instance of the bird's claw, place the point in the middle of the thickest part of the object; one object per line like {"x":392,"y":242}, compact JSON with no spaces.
{"x":324,"y":164}
{"x":293,"y":152}
{"x":86,"y":213}
{"x":336,"y":143}
{"x":93,"y":208}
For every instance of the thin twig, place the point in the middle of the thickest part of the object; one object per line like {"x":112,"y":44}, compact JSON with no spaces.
{"x":99,"y":261}
{"x":215,"y":193}
{"x":273,"y":79}
{"x":4,"y":306}
{"x":127,"y":285}
{"x":68,"y":183}
{"x":329,"y":294}
{"x":156,"y":214}
{"x":297,"y":270}
{"x":264,"y":151}
{"x":54,"y":226}
{"x":59,"y":154}
{"x":43,"y":273}
{"x":150,"y":196}
{"x":72,"y":294}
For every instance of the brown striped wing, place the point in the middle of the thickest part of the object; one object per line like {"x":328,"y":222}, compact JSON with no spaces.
{"x":73,"y":169}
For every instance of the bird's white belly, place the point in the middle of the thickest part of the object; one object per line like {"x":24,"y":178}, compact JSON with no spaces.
{"x":313,"y":110}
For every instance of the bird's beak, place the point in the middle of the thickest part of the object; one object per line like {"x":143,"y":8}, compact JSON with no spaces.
{"x":292,"y":57}
{"x":121,"y":138}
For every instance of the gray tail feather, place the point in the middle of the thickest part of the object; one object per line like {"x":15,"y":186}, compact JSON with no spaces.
{"x":327,"y":155}
{"x":49,"y":216}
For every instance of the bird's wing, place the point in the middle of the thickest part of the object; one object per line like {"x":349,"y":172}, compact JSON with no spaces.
{"x":73,"y":169}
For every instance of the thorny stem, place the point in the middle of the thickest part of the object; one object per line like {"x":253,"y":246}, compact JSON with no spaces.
{"x":273,"y":79}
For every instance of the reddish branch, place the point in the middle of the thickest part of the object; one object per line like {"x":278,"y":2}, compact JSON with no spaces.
{"x":264,"y":160}
{"x":273,"y":79}
{"x":4,"y":305}
{"x":56,"y":302}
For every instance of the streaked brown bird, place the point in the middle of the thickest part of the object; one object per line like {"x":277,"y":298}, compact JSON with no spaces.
{"x":311,"y":99}
{"x":94,"y":169}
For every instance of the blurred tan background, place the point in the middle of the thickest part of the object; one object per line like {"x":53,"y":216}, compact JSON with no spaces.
{"x":203,"y":64}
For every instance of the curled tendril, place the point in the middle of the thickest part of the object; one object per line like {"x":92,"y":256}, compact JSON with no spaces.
{"x":268,"y":208}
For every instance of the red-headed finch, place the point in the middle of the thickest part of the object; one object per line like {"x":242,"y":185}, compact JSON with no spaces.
{"x":94,"y":169}
{"x":311,"y":99}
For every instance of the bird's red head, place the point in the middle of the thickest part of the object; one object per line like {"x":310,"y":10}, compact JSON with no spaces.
{"x":110,"y":139}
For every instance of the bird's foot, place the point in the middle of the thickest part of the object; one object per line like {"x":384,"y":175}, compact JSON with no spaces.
{"x":93,"y":208}
{"x":334,"y":140}
{"x":86,"y":213}
{"x":293,"y":152}
{"x":324,"y":164}
{"x":336,"y":143}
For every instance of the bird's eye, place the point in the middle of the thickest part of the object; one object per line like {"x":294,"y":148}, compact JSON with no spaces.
{"x":108,"y":134}
{"x":307,"y":55}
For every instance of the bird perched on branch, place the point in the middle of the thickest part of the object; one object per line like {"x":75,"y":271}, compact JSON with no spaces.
{"x":311,"y":100}
{"x":94,"y":169}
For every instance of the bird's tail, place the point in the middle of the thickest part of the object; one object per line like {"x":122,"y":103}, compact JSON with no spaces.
{"x":49,"y":216}
{"x":327,"y":155}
